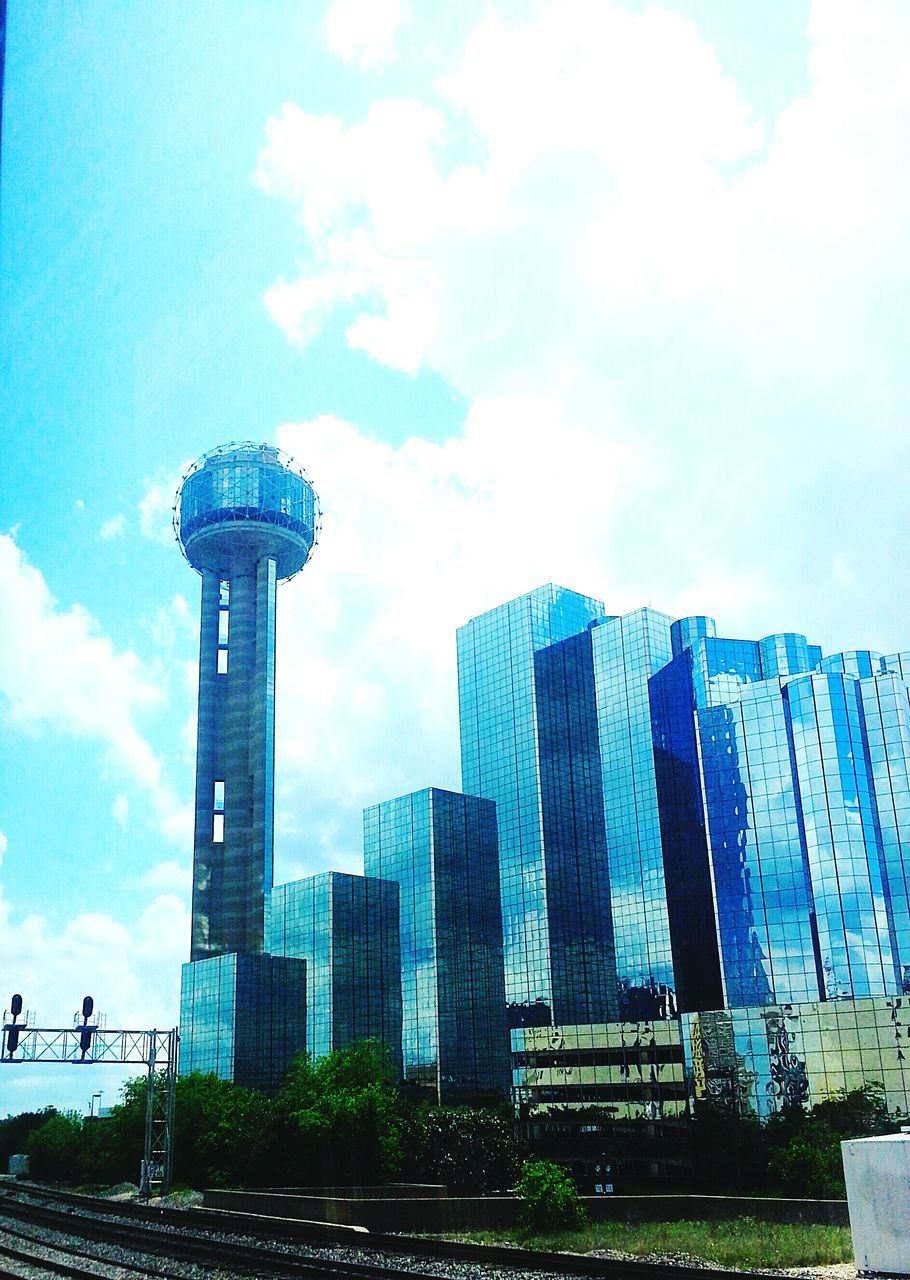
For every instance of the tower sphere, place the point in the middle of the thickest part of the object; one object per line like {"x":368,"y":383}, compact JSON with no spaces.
{"x":241,"y":502}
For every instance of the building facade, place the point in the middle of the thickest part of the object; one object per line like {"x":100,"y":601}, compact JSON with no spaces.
{"x":242,"y":1017}
{"x":497,"y":699}
{"x":346,"y":929}
{"x":440,"y":848}
{"x":783,"y":787}
{"x":611,"y":1100}
{"x":246,"y":518}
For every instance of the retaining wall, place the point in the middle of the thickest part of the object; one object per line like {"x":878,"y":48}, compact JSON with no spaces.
{"x":478,"y":1213}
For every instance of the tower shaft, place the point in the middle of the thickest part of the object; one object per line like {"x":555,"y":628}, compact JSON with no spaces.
{"x":235,"y":762}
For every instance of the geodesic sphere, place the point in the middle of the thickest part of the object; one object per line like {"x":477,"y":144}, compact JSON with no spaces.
{"x":241,"y":502}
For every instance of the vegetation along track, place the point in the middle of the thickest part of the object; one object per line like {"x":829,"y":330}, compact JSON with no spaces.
{"x":201,"y":1236}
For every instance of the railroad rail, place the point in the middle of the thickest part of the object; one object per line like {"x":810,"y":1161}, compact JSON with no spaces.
{"x":192,"y":1235}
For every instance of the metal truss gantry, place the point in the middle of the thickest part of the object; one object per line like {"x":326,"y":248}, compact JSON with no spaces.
{"x":89,"y":1045}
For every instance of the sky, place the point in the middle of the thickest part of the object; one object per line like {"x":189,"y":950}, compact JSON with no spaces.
{"x":602,"y":292}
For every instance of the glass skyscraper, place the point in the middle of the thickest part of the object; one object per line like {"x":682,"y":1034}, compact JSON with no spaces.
{"x":785,"y":812}
{"x":626,"y":652}
{"x":556,"y":728}
{"x":440,"y":848}
{"x":346,"y":929}
{"x":500,"y":760}
{"x":246,"y":518}
{"x":242,"y":1017}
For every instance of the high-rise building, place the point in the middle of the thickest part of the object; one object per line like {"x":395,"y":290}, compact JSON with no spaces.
{"x":440,"y":848}
{"x":242,"y":1017}
{"x":500,"y":760}
{"x":785,"y":808}
{"x":346,"y":929}
{"x":626,"y":652}
{"x":246,"y":518}
{"x":582,"y":960}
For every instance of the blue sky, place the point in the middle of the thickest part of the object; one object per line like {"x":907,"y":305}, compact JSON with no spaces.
{"x":612,"y":294}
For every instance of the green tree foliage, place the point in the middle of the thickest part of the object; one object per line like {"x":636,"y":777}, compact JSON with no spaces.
{"x":728,"y":1153}
{"x":795,"y":1152}
{"x":550,"y":1199}
{"x":224,"y":1135}
{"x":804,"y":1152}
{"x":341,"y":1118}
{"x":14,"y":1132}
{"x":54,"y":1148}
{"x":470,"y":1149}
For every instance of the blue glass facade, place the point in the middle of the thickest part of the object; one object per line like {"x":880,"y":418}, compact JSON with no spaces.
{"x":440,"y":848}
{"x":246,"y":517}
{"x":783,"y":795}
{"x":346,"y":929}
{"x":500,"y":760}
{"x":627,"y":651}
{"x":578,"y":914}
{"x":242,"y":1017}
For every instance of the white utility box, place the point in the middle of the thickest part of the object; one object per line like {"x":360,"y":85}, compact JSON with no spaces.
{"x":877,"y":1171}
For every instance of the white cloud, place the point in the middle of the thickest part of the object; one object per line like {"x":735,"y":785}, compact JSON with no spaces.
{"x":363,"y":31}
{"x":619,"y":195}
{"x":4,"y":845}
{"x":132,"y":969}
{"x":58,"y":671}
{"x":113,"y":528}
{"x":121,"y":810}
{"x":173,"y":622}
{"x":156,"y":509}
{"x":168,"y":877}
{"x":415,"y":540}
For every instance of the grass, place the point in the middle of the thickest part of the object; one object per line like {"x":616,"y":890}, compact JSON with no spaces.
{"x":739,"y":1242}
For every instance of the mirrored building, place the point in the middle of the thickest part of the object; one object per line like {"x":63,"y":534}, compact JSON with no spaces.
{"x":783,"y":790}
{"x":500,"y":760}
{"x":242,"y":1017}
{"x":440,"y":848}
{"x":246,"y":518}
{"x":346,"y":929}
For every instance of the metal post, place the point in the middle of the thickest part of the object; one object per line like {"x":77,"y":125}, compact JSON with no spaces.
{"x":145,"y":1171}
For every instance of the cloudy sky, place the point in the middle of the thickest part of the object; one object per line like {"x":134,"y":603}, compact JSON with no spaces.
{"x":612,"y":294}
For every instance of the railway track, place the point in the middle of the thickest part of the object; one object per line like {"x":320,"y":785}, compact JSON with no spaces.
{"x":198,"y":1236}
{"x":28,"y":1249}
{"x":189,"y":1247}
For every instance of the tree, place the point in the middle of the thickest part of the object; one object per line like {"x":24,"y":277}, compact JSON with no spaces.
{"x":550,"y":1199}
{"x":224,"y":1135}
{"x":15,"y":1130}
{"x":470,"y":1149}
{"x":341,"y":1118}
{"x":53,"y":1149}
{"x":805,"y":1156}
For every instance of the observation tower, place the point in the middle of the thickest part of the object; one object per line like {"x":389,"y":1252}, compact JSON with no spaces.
{"x":246,"y":517}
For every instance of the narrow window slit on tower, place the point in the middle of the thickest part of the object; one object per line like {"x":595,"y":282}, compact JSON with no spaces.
{"x":218,"y":812}
{"x":224,"y":613}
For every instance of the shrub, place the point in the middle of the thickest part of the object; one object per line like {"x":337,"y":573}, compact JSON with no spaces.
{"x":470,"y":1149}
{"x":551,"y":1201}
